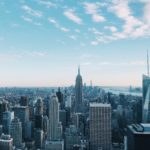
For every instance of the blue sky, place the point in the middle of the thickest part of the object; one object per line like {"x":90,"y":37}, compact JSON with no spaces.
{"x":43,"y":41}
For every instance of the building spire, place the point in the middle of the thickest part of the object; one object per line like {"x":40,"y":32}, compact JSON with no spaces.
{"x":147,"y":63}
{"x":79,"y":70}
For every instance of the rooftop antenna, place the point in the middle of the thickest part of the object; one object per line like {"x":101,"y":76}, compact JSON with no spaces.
{"x":78,"y":69}
{"x":147,"y":63}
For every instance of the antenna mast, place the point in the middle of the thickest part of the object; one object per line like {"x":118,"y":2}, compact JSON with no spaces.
{"x":147,"y":63}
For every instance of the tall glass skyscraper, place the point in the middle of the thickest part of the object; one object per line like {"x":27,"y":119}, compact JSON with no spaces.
{"x":146,"y":100}
{"x":15,"y":131}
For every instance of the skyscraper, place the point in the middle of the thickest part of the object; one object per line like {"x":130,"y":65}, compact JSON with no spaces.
{"x":100,"y":126}
{"x":15,"y":131}
{"x":55,"y":129}
{"x":146,"y":84}
{"x":53,"y":118}
{"x":146,"y":108}
{"x":3,"y":108}
{"x":6,"y":142}
{"x":138,"y":136}
{"x":8,"y":116}
{"x":78,"y":92}
{"x":146,"y":96}
{"x":22,"y":112}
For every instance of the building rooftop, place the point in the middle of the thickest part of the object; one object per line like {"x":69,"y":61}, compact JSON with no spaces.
{"x":99,"y":105}
{"x":143,"y":128}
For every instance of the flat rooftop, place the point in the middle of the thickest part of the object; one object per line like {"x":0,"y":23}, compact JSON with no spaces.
{"x":99,"y":105}
{"x":143,"y":128}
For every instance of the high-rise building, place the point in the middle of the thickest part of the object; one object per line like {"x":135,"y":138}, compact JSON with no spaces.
{"x":22,"y":112}
{"x":8,"y":116}
{"x":60,"y":98}
{"x":78,"y":92}
{"x":38,"y":137}
{"x":39,"y":114}
{"x":138,"y":136}
{"x":100,"y":126}
{"x":6,"y":142}
{"x":54,"y":145}
{"x":38,"y":131}
{"x":15,"y":130}
{"x":53,"y":118}
{"x":24,"y":101}
{"x":145,"y":88}
{"x":39,"y":107}
{"x":55,"y":128}
{"x":3,"y":108}
{"x":146,"y":108}
{"x":146,"y":84}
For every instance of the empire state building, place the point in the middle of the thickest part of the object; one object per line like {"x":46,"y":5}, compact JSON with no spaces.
{"x":78,"y":92}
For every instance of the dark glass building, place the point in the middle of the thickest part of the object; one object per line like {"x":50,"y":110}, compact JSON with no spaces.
{"x":138,"y":137}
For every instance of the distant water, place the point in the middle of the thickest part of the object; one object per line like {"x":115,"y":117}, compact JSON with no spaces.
{"x":123,"y":90}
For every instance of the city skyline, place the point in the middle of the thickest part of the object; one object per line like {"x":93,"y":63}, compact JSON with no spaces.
{"x":42,"y":42}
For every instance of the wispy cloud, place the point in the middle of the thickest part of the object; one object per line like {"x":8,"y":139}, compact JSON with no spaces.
{"x":64,"y":29}
{"x":147,"y":12}
{"x":73,"y":37}
{"x":48,"y":4}
{"x":93,"y":10}
{"x":133,"y":27}
{"x":70,"y":14}
{"x":30,"y":11}
{"x":132,"y":63}
{"x":27,"y":19}
{"x":53,"y":21}
{"x":57,"y":25}
{"x":111,"y":28}
{"x":35,"y":53}
{"x":95,"y":31}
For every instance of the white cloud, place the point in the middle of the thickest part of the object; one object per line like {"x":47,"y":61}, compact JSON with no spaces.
{"x":32,"y":12}
{"x":94,"y":43}
{"x":53,"y":21}
{"x":70,"y":14}
{"x":111,"y":28}
{"x":27,"y":19}
{"x":73,"y":37}
{"x":48,"y":4}
{"x":64,"y":29}
{"x":35,"y":53}
{"x":38,"y":53}
{"x":57,"y":25}
{"x":92,"y":9}
{"x":147,"y":12}
{"x":133,"y":27}
{"x":95,"y":31}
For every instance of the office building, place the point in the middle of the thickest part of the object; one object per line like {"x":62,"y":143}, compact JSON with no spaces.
{"x":100,"y":126}
{"x":138,"y":136}
{"x":15,"y":130}
{"x":8,"y":116}
{"x":6,"y":142}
